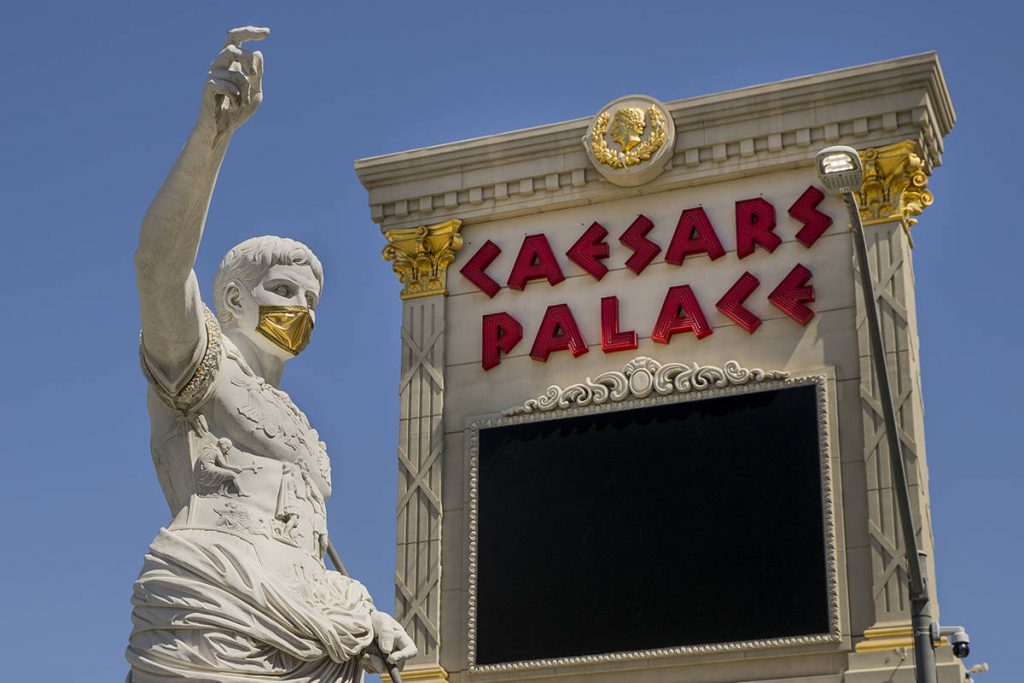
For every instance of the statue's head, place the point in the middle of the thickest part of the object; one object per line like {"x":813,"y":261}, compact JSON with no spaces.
{"x":267,"y":289}
{"x":627,"y":127}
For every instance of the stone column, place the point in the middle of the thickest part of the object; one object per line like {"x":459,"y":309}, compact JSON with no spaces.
{"x":893,"y":193}
{"x":420,"y":257}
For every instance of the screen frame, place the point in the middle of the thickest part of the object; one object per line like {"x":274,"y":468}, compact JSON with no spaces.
{"x":626,"y":393}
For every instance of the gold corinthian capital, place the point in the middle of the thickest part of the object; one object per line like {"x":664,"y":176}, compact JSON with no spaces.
{"x":421,"y":256}
{"x":895,"y":184}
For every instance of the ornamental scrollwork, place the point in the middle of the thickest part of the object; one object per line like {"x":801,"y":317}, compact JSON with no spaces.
{"x":642,"y":377}
{"x":421,"y":256}
{"x":628,"y":126}
{"x":895,"y":184}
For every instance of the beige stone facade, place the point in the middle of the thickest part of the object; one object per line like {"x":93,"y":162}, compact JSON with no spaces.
{"x":756,"y":142}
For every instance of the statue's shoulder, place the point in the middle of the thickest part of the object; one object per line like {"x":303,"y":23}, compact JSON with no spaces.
{"x":204,"y":371}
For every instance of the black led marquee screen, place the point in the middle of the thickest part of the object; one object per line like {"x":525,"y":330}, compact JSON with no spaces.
{"x":672,"y":525}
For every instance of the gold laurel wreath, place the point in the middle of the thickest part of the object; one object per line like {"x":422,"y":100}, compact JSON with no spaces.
{"x":642,"y":152}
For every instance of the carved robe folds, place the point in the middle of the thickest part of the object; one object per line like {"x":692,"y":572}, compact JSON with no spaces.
{"x":235,"y":588}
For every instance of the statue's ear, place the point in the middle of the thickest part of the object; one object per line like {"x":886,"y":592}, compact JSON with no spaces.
{"x":232,"y":299}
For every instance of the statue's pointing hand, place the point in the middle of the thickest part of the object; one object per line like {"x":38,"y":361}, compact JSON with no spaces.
{"x":391,"y":641}
{"x":234,"y":83}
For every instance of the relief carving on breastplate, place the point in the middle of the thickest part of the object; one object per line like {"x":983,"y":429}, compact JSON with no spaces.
{"x":214,"y":475}
{"x":270,"y":423}
{"x":285,"y":525}
{"x":235,"y":517}
{"x":274,"y":415}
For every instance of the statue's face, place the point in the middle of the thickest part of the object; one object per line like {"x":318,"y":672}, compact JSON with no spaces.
{"x":281,"y":285}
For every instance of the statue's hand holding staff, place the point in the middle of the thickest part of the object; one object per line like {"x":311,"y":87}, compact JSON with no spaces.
{"x":234,"y":83}
{"x":392,"y":646}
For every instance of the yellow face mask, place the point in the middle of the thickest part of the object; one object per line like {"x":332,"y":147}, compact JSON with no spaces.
{"x":287,"y":326}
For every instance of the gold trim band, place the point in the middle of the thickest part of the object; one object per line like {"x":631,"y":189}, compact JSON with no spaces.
{"x":889,"y":638}
{"x":432,"y":674}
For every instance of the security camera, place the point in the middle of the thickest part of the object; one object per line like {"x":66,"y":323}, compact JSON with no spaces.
{"x":957,"y":636}
{"x":961,"y":644}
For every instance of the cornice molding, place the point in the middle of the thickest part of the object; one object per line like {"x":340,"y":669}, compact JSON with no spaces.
{"x":760,"y":129}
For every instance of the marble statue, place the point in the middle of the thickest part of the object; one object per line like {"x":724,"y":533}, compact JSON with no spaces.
{"x":235,"y":588}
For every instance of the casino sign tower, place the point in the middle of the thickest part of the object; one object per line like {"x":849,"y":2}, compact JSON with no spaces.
{"x":639,"y":437}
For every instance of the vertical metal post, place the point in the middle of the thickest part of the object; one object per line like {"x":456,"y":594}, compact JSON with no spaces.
{"x":920,"y":603}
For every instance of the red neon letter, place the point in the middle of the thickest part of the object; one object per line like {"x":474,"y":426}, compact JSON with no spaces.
{"x":635,"y":238}
{"x":680,"y":313}
{"x":732,"y":303}
{"x":611,"y":338}
{"x":815,"y":222}
{"x":589,"y":248}
{"x":755,"y":220}
{"x":792,"y":293}
{"x":535,"y":262}
{"x":557,"y":332}
{"x":501,"y":333}
{"x":693,"y":235}
{"x":477,"y":264}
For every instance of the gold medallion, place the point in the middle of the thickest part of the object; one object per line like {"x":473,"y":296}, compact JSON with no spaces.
{"x":630,"y":140}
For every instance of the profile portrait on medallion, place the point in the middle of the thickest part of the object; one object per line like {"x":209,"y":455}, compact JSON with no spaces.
{"x":630,"y":140}
{"x":235,"y":588}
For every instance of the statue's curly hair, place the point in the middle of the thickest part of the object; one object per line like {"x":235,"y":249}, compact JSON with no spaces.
{"x":635,"y":118}
{"x":247,"y":262}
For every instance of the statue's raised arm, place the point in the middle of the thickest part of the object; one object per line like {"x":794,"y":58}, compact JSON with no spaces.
{"x":234,"y":587}
{"x":172,"y":321}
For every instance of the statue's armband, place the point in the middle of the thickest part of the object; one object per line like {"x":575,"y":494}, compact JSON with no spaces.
{"x":203,"y":375}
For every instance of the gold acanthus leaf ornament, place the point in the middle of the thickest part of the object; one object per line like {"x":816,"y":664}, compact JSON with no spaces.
{"x":895,"y":184}
{"x":421,"y":256}
{"x":642,"y":151}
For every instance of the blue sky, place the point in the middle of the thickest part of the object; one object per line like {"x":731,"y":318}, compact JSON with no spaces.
{"x":98,"y":98}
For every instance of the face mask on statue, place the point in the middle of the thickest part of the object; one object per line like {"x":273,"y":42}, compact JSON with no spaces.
{"x":287,"y":326}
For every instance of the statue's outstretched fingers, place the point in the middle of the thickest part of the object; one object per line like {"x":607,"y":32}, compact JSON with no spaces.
{"x":242,"y":34}
{"x":237,"y":78}
{"x":222,"y":87}
{"x":230,"y":54}
{"x":250,"y":62}
{"x":255,"y":69}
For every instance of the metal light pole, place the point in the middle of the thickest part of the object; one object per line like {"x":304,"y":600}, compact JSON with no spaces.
{"x":840,"y":170}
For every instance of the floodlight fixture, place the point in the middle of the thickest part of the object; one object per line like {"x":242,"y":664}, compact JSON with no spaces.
{"x":840,"y":169}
